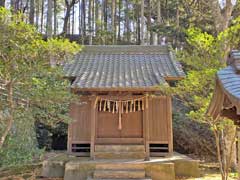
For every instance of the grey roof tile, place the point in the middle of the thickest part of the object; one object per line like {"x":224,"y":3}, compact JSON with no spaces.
{"x":230,"y":81}
{"x":123,"y":67}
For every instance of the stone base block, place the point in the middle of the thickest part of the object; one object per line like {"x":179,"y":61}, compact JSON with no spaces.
{"x":188,"y":168}
{"x":53,"y":169}
{"x":78,"y":171}
{"x":160,"y":171}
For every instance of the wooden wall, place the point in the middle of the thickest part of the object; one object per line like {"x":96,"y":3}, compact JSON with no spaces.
{"x":79,"y":128}
{"x":160,"y":120}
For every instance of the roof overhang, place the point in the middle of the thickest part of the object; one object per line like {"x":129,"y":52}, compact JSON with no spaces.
{"x":224,"y":102}
{"x":117,"y":89}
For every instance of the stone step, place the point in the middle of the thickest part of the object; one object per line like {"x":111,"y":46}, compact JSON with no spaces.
{"x":119,"y":174}
{"x":119,"y":148}
{"x":122,"y":166}
{"x":118,"y":179}
{"x":120,"y":155}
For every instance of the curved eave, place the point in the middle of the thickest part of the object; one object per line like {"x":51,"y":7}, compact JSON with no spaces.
{"x":229,"y":82}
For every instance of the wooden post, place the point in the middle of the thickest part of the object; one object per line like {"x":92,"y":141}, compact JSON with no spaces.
{"x":147,"y":129}
{"x":69,"y":143}
{"x":93,"y":127}
{"x":238,"y":151}
{"x":169,"y":120}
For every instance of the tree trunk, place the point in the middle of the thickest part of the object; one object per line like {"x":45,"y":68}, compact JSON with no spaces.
{"x":138,"y":25}
{"x":113,"y":21}
{"x":66,"y":18}
{"x":177,"y":25}
{"x":219,"y":155}
{"x":127,"y":22}
{"x":83,"y":18}
{"x":119,"y":21}
{"x":96,"y":17}
{"x":93,"y":18}
{"x":105,"y":14}
{"x":73,"y":14}
{"x":12,"y":4}
{"x":159,"y":18}
{"x":142,"y":23}
{"x":221,"y":20}
{"x":55,"y":17}
{"x":238,"y":152}
{"x":149,"y":24}
{"x":221,"y":17}
{"x":49,"y":20}
{"x":37,"y":13}
{"x":66,"y":21}
{"x":32,"y":12}
{"x":42,"y":15}
{"x":79,"y":19}
{"x":230,"y":133}
{"x":105,"y":28}
{"x":9,"y":88}
{"x":89,"y":22}
{"x":2,"y":3}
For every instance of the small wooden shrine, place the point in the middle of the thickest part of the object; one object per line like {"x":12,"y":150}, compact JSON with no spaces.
{"x":120,"y":102}
{"x":226,"y":98}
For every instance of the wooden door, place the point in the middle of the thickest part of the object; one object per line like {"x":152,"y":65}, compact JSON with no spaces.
{"x":107,"y":125}
{"x":132,"y":125}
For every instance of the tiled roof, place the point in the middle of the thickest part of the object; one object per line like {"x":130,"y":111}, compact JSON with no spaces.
{"x":123,"y":67}
{"x":234,"y":60}
{"x":230,"y":81}
{"x":226,"y":98}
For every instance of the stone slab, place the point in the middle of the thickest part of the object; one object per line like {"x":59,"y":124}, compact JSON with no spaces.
{"x":187,"y":168}
{"x":160,"y":171}
{"x":120,"y":155}
{"x":52,"y":169}
{"x":76,"y":170}
{"x":119,"y":174}
{"x":119,"y":165}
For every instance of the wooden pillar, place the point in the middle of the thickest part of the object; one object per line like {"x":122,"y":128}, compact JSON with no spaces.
{"x":93,"y":127}
{"x":147,"y":129}
{"x":170,"y":128}
{"x":69,"y":142}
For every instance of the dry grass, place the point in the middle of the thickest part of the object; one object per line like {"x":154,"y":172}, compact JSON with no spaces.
{"x":209,"y":171}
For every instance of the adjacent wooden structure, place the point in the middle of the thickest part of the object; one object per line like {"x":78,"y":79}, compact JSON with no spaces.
{"x":120,"y":101}
{"x":226,"y":98}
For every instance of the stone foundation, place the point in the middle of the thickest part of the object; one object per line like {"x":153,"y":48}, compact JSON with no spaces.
{"x":80,"y":168}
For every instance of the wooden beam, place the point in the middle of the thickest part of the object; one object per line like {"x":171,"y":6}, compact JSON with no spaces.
{"x":169,"y":78}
